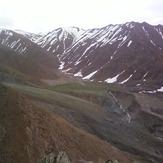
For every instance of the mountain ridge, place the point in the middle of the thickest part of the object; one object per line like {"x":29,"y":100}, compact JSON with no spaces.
{"x":121,"y":53}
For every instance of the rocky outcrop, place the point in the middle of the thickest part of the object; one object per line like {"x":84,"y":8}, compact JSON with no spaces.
{"x":112,"y":161}
{"x":63,"y":158}
{"x":51,"y":158}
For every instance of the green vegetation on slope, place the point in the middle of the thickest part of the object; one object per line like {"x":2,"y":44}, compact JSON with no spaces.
{"x":87,"y":87}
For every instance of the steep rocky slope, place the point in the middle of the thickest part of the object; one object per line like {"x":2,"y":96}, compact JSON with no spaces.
{"x":126,"y":53}
{"x":22,"y":55}
{"x":130,"y":53}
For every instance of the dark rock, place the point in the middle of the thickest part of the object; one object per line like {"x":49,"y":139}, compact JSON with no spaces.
{"x":112,"y":161}
{"x":62,"y":158}
{"x":51,"y":158}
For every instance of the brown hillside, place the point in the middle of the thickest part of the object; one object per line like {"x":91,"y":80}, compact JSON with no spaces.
{"x":29,"y":132}
{"x":35,"y":63}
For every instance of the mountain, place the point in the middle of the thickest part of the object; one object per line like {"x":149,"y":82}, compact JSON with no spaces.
{"x":19,"y":53}
{"x":130,"y":53}
{"x":95,"y":94}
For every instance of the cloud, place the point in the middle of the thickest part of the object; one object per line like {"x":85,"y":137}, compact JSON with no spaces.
{"x":6,"y":15}
{"x":6,"y":22}
{"x":44,"y":15}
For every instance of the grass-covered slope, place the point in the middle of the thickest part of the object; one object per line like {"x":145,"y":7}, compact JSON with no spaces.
{"x":29,"y":131}
{"x":96,"y":108}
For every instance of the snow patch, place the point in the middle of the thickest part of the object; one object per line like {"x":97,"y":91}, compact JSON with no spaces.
{"x":90,"y":75}
{"x":129,"y":43}
{"x":153,"y":91}
{"x":160,"y":90}
{"x":114,"y":79}
{"x":76,"y":63}
{"x":146,"y":33}
{"x":152,"y":42}
{"x":23,"y":33}
{"x":61,"y":65}
{"x":145,"y":74}
{"x":18,"y":47}
{"x":123,"y":41}
{"x":78,"y":74}
{"x":131,"y":26}
{"x":49,"y":48}
{"x":9,"y":33}
{"x":126,"y":79}
{"x":14,"y":43}
{"x":89,"y":63}
{"x":23,"y":50}
{"x":159,"y":31}
{"x":87,"y":50}
{"x":113,"y":55}
{"x":65,"y":71}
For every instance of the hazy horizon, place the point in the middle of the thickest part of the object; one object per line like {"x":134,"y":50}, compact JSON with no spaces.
{"x":41,"y":16}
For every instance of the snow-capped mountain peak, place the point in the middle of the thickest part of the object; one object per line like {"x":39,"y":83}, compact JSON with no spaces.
{"x":99,"y":54}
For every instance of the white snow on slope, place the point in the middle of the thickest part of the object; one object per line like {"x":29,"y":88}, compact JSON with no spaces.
{"x":49,"y":48}
{"x":61,"y":65}
{"x":126,"y":79}
{"x":23,"y":50}
{"x":18,"y":47}
{"x":101,"y":37}
{"x":52,"y":37}
{"x":160,"y":90}
{"x":26,"y":34}
{"x":76,"y":32}
{"x":114,"y":79}
{"x":129,"y":43}
{"x":86,"y":51}
{"x":146,"y":32}
{"x":15,"y":43}
{"x":77,"y":62}
{"x":152,"y":42}
{"x":153,"y":91}
{"x":123,"y":41}
{"x":78,"y":74}
{"x":90,"y":75}
{"x":145,"y":74}
{"x":159,"y":31}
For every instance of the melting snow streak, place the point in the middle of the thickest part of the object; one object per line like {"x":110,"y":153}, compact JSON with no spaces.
{"x":90,"y":75}
{"x":114,"y":79}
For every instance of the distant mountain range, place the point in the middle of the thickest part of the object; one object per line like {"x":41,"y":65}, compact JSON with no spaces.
{"x":130,"y":53}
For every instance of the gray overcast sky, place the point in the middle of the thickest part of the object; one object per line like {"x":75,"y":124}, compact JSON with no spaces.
{"x":45,"y":15}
